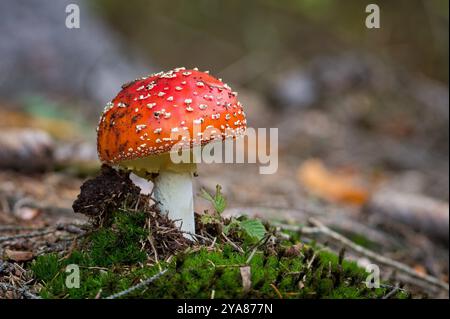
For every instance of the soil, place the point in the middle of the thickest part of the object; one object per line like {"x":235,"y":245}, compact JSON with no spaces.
{"x":108,"y":191}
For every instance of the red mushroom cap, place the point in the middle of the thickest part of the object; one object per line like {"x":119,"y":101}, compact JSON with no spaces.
{"x":140,"y":120}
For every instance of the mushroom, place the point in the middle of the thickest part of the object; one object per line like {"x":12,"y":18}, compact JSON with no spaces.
{"x":136,"y":131}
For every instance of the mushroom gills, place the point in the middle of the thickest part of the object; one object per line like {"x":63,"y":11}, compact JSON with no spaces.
{"x":174,"y":196}
{"x":156,"y":163}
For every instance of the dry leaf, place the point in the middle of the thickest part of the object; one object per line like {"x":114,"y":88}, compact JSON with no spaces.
{"x":420,"y":269}
{"x":332,"y":186}
{"x":18,"y":256}
{"x":246,"y":278}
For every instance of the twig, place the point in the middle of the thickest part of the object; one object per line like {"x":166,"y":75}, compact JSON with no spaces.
{"x":16,"y":228}
{"x":69,"y":228}
{"x":99,"y":293}
{"x":150,"y":239}
{"x":277,"y":291}
{"x":35,"y":234}
{"x":378,"y":258}
{"x":196,"y":235}
{"x":213,"y":243}
{"x":310,"y":262}
{"x":138,"y":286}
{"x":24,"y":291}
{"x":73,"y":228}
{"x":249,"y":259}
{"x":260,"y":243}
{"x":392,"y":292}
{"x":384,"y":285}
{"x":94,"y":268}
{"x":232,"y":244}
{"x":296,"y":228}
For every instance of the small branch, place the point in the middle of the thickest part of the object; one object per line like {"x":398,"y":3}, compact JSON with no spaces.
{"x":392,"y":292}
{"x":213,"y":243}
{"x":262,"y":242}
{"x":8,"y":228}
{"x":296,"y":228}
{"x":68,"y":228}
{"x":31,"y":235}
{"x":239,"y":249}
{"x":378,"y":258}
{"x":138,"y":286}
{"x":150,"y":239}
{"x":277,"y":291}
{"x":196,"y":235}
{"x":249,"y":259}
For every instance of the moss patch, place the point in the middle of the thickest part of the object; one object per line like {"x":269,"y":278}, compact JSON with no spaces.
{"x":115,"y":258}
{"x":120,"y":244}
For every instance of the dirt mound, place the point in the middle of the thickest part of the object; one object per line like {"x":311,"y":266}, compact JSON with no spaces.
{"x":105,"y":193}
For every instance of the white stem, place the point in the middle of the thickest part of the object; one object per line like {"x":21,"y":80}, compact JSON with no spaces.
{"x":173,"y":191}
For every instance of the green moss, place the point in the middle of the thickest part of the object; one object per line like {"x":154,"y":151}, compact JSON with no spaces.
{"x":46,"y":267}
{"x":119,"y":244}
{"x":112,"y":260}
{"x":196,"y":274}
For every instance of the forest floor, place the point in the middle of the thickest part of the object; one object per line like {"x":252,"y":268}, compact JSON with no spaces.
{"x":364,"y":168}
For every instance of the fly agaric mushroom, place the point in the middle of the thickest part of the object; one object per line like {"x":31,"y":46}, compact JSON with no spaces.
{"x":136,"y":131}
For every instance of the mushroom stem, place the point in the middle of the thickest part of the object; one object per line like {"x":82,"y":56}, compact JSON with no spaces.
{"x":173,"y":191}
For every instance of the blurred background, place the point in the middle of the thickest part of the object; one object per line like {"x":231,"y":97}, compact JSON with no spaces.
{"x":363,"y":114}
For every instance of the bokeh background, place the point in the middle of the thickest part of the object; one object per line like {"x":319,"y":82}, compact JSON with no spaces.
{"x":363,"y":114}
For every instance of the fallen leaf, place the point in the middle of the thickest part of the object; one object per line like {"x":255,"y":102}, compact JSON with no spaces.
{"x":420,"y":269}
{"x":246,"y":278}
{"x":18,"y":256}
{"x":332,"y":186}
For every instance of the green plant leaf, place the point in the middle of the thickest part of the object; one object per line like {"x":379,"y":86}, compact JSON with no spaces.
{"x":254,"y":228}
{"x":233,"y":223}
{"x":204,"y":194}
{"x":218,"y":201}
{"x":208,"y":219}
